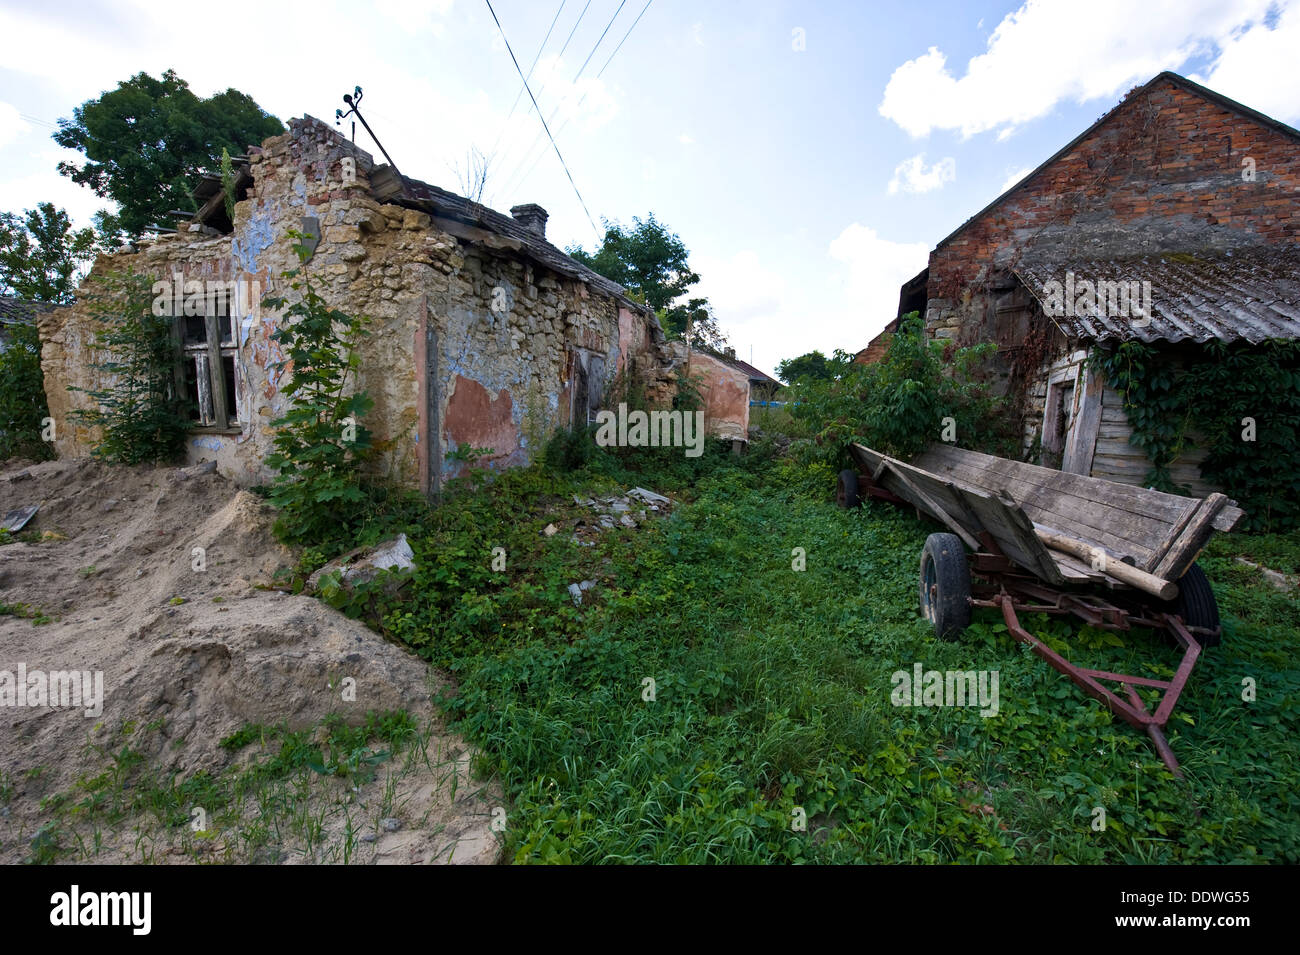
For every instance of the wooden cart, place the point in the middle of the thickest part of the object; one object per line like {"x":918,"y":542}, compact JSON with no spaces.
{"x":1045,"y":541}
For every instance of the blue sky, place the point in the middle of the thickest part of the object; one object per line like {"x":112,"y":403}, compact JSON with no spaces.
{"x":809,"y":154}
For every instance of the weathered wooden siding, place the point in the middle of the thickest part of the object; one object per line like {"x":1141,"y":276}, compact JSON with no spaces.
{"x":1116,"y":459}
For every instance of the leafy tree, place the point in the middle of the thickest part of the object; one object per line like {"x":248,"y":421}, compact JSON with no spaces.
{"x":140,"y":411}
{"x":812,"y":365}
{"x":652,"y":263}
{"x":41,"y":256}
{"x":319,"y":442}
{"x":148,"y":142}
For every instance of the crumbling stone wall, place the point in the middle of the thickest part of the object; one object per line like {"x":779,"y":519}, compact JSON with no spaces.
{"x":445,"y":364}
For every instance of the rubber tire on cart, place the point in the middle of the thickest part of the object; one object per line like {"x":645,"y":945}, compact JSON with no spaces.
{"x":1195,"y":603}
{"x":945,"y":585}
{"x":846,"y":489}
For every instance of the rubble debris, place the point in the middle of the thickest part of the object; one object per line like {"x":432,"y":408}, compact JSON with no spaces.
{"x":363,"y":564}
{"x":17,"y":519}
{"x":576,"y":591}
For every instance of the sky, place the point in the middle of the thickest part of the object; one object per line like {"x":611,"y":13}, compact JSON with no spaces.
{"x":809,"y":154}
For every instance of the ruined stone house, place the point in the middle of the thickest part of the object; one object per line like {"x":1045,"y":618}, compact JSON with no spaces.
{"x":1173,"y":219}
{"x":482,"y":333}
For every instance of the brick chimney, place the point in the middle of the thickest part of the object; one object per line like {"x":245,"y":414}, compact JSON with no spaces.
{"x":532,"y":217}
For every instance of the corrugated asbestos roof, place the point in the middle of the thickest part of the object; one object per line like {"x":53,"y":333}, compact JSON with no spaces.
{"x":1250,"y":294}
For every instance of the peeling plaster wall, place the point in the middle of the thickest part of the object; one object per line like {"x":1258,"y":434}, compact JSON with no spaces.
{"x":502,"y":378}
{"x":725,"y":391}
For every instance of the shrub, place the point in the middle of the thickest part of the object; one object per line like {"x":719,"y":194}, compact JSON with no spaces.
{"x":141,"y":411}
{"x":898,"y":404}
{"x":319,"y":442}
{"x":22,"y":396}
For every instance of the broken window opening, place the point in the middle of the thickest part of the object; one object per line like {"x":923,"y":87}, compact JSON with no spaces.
{"x":209,"y":372}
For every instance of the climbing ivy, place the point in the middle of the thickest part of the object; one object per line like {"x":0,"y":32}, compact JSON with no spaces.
{"x":1242,"y":401}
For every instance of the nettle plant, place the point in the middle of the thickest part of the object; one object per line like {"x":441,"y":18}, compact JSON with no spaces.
{"x":139,"y":409}
{"x":320,"y":443}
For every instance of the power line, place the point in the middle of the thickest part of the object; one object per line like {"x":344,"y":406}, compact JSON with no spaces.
{"x":598,"y":76}
{"x":576,"y":192}
{"x":519,"y":95}
{"x":525,"y":161}
{"x":541,"y":89}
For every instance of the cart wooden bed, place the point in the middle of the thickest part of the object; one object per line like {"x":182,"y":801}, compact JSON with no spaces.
{"x":1053,"y":542}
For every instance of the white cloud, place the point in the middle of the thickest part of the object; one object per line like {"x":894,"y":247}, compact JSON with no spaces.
{"x":1248,"y":68}
{"x":876,"y":269}
{"x":911,"y":175}
{"x":697,"y":33}
{"x":11,"y":124}
{"x":756,"y":305}
{"x":686,"y":139}
{"x":1080,"y":53}
{"x":25,"y":192}
{"x":1014,"y":178}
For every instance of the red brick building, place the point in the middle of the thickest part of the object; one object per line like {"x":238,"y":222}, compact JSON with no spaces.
{"x":1174,"y":219}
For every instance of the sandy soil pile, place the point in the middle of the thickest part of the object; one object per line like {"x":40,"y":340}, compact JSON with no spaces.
{"x":201,"y":652}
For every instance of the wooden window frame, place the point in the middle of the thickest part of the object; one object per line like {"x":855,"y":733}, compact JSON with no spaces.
{"x":208,"y":358}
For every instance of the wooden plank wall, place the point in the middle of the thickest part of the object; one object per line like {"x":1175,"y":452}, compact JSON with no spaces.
{"x":1115,"y":459}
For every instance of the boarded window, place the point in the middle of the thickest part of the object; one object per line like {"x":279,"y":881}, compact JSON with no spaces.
{"x":209,"y":373}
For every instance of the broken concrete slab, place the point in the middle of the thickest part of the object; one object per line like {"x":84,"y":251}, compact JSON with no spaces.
{"x":17,"y":519}
{"x":648,"y":497}
{"x":576,"y":591}
{"x":363,"y":564}
{"x":194,"y":470}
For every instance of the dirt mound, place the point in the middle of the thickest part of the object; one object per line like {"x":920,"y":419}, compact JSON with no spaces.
{"x":160,"y":578}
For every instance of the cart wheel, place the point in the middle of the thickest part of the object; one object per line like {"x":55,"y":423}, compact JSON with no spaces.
{"x":846,"y":489}
{"x":945,"y":585}
{"x":1195,"y":603}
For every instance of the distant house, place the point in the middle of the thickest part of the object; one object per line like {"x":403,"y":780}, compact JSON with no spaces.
{"x":1173,"y":219}
{"x":17,"y":311}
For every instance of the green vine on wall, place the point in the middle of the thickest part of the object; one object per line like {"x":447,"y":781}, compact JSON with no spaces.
{"x":1241,"y":400}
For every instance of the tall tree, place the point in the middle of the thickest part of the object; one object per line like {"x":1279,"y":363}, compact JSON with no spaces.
{"x":813,"y":365}
{"x":41,"y":256}
{"x":148,"y":141}
{"x":652,"y":263}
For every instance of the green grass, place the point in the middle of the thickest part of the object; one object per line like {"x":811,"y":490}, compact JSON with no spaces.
{"x":772,"y":694}
{"x":276,"y":801}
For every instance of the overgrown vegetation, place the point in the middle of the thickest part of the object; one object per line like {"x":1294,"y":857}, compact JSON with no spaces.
{"x":23,"y":408}
{"x":292,"y":794}
{"x":320,"y":442}
{"x":899,"y":404}
{"x":1241,"y":401}
{"x":139,"y":409}
{"x":771,"y":685}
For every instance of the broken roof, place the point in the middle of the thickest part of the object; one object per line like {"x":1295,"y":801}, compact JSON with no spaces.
{"x":491,"y":228}
{"x":1250,"y":294}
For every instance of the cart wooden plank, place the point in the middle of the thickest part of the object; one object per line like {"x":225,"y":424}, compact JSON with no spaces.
{"x":974,"y":493}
